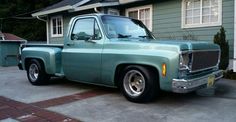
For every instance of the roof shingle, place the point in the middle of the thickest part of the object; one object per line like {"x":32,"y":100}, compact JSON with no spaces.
{"x":8,"y":36}
{"x":62,"y":4}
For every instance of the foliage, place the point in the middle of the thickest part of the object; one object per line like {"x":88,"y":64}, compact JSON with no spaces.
{"x":220,"y":39}
{"x":13,"y":19}
{"x":230,"y":75}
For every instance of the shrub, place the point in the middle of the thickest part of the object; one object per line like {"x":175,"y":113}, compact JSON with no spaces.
{"x":230,"y":74}
{"x":220,"y":39}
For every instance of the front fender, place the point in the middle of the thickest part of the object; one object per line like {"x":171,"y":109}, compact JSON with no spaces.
{"x":140,"y":57}
{"x":51,"y":57}
{"x":157,"y":62}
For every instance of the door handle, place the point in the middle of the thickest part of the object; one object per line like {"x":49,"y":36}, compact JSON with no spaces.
{"x":69,"y":44}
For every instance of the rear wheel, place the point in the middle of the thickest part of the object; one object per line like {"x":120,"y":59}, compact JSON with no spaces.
{"x":139,"y":84}
{"x":36,"y":73}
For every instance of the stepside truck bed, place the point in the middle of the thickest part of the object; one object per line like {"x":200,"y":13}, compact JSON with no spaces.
{"x":48,"y":54}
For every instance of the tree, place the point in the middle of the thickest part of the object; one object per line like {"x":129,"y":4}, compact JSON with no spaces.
{"x":29,"y":29}
{"x":220,"y":39}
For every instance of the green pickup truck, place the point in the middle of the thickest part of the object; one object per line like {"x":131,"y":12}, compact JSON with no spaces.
{"x":121,"y":52}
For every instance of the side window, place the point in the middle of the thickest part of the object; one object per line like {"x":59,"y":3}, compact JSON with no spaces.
{"x":85,"y":29}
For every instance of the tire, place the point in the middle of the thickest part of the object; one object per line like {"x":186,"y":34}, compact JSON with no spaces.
{"x":36,"y":73}
{"x":139,"y":84}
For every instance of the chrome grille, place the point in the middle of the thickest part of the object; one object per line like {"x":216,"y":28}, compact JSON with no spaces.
{"x":204,"y":60}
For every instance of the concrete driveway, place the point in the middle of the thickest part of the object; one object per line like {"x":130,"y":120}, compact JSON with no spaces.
{"x":65,"y":101}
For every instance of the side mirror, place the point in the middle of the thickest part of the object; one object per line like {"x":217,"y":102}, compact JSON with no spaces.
{"x":89,"y":39}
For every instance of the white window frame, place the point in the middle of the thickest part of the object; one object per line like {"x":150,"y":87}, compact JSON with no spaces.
{"x":110,"y":10}
{"x":184,"y":25}
{"x":140,"y":8}
{"x":56,"y":35}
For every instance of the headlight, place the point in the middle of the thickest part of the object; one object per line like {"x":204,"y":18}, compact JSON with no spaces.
{"x":185,"y":61}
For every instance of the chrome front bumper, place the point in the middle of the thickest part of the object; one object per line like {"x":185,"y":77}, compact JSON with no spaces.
{"x":188,"y":85}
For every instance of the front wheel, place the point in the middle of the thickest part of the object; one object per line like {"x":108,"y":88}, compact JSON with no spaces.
{"x":139,"y":84}
{"x":36,"y":73}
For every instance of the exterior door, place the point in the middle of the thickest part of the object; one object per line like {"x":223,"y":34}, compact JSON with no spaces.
{"x":81,"y":57}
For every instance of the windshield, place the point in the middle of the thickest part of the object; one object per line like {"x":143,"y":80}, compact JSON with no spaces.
{"x":121,"y":27}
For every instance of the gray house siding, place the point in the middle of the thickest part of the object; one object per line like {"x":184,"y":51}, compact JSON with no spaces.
{"x":66,"y":20}
{"x":167,"y":23}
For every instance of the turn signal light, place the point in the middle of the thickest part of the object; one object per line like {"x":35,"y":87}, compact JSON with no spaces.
{"x":163,"y":70}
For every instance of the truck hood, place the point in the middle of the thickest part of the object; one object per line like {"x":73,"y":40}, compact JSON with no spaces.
{"x":188,"y":45}
{"x":183,"y":45}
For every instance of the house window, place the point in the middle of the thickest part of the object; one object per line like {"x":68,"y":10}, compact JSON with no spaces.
{"x":143,"y":13}
{"x":201,"y":13}
{"x":57,"y":26}
{"x":113,"y":12}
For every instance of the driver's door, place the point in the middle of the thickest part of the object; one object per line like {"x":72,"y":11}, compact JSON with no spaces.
{"x":81,"y":57}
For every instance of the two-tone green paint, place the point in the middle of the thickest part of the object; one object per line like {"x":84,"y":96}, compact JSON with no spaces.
{"x":97,"y":63}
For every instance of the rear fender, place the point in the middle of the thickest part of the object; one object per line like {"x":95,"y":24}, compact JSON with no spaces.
{"x":51,"y":58}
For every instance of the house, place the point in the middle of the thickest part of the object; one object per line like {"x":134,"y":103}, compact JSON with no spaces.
{"x":9,"y":49}
{"x":167,"y":19}
{"x":10,"y":37}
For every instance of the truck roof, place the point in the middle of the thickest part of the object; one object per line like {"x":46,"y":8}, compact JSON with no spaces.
{"x":100,"y":14}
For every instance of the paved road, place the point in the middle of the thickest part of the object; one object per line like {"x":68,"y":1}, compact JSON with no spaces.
{"x":62,"y":100}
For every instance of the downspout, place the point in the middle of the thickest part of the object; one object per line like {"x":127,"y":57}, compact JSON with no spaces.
{"x":234,"y":60}
{"x":96,"y":10}
{"x":46,"y":27}
{"x":41,"y":19}
{"x":1,"y":24}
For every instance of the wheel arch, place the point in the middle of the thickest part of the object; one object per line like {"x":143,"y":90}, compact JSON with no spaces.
{"x":49,"y":57}
{"x":41,"y":77}
{"x":27,"y":62}
{"x":121,"y":67}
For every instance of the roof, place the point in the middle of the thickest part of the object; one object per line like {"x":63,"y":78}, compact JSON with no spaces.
{"x":8,"y":36}
{"x":62,"y":4}
{"x":66,"y":5}
{"x":100,"y":1}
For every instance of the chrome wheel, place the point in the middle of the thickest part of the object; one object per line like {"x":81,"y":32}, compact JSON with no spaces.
{"x":134,"y":83}
{"x":33,"y":72}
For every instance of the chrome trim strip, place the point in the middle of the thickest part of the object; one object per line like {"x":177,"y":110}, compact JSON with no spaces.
{"x":190,"y":51}
{"x":188,"y":85}
{"x":202,"y":69}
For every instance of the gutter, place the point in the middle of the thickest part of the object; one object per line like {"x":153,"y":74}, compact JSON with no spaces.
{"x":41,"y":19}
{"x":122,"y":2}
{"x":91,"y":6}
{"x":234,"y":60}
{"x":80,"y":3}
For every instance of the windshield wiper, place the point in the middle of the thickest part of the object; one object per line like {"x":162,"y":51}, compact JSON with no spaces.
{"x":123,"y":36}
{"x":143,"y":36}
